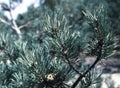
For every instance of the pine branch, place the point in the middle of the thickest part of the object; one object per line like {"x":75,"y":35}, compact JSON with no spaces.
{"x":71,"y":66}
{"x":100,"y":44}
{"x":14,"y":24}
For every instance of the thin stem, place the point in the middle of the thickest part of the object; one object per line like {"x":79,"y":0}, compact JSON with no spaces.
{"x":14,"y":24}
{"x":100,"y":44}
{"x":72,"y":65}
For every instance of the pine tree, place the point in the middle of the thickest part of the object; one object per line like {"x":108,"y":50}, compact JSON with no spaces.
{"x":51,"y":44}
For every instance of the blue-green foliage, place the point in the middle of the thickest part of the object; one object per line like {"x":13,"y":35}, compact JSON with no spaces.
{"x":56,"y":38}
